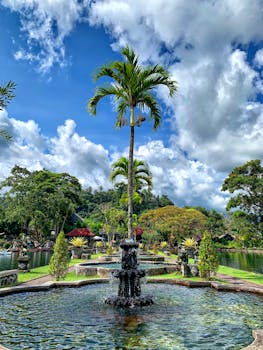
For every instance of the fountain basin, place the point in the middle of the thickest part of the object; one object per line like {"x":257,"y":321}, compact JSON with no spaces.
{"x":180,"y":319}
{"x":106,"y":269}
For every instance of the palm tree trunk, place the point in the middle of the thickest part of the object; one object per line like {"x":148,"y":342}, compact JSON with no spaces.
{"x":130,"y":176}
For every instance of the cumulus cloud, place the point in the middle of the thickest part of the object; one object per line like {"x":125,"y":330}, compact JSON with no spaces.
{"x":45,"y":24}
{"x":216,"y":115}
{"x":67,"y":152}
{"x":259,"y":57}
{"x":185,"y":181}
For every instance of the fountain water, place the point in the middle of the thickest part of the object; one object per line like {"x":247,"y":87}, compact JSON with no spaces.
{"x":129,"y":292}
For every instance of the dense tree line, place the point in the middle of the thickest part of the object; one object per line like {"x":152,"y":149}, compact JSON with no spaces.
{"x":39,"y":202}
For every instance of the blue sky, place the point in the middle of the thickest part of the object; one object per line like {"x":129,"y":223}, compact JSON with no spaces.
{"x":51,"y":48}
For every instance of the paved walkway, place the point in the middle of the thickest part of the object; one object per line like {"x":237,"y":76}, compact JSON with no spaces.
{"x":237,"y":282}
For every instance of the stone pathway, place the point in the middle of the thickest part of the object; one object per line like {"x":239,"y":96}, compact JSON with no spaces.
{"x":238,"y":284}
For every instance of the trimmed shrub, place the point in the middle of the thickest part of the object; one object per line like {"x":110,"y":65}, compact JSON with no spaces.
{"x":208,"y":262}
{"x":59,"y":261}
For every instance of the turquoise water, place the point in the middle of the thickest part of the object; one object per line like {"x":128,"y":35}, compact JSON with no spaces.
{"x":9,"y":262}
{"x":180,"y":319}
{"x":118,"y":265}
{"x":242,"y":260}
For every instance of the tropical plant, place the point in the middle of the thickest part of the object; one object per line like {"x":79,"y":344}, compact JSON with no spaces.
{"x":142,"y":175}
{"x":99,"y":244}
{"x":207,"y":259}
{"x":189,"y":243}
{"x":59,"y":261}
{"x":78,"y":242}
{"x":6,"y":94}
{"x":132,"y":88}
{"x":163,"y":244}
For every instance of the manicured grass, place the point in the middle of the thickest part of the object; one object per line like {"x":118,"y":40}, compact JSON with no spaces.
{"x":176,"y":275}
{"x":97,"y":255}
{"x":244,"y":275}
{"x":44,"y":270}
{"x":34,"y":273}
{"x":40,"y":272}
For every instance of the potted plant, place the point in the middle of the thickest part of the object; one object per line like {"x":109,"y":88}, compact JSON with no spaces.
{"x":190,"y":246}
{"x":77,"y":244}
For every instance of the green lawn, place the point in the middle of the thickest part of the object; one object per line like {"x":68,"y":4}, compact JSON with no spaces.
{"x":40,"y":272}
{"x":176,"y":275}
{"x":44,"y":270}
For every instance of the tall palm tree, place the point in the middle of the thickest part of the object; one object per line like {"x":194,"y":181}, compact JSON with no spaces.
{"x":132,"y":88}
{"x":6,"y":94}
{"x":142,"y":175}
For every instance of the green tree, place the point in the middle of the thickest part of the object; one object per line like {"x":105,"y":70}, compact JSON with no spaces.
{"x":246,"y":182}
{"x":247,"y":234}
{"x":6,"y":95}
{"x":59,"y":261}
{"x":40,"y":200}
{"x":215,"y":223}
{"x":208,"y":262}
{"x":173,"y":223}
{"x":132,"y":88}
{"x":142,"y":177}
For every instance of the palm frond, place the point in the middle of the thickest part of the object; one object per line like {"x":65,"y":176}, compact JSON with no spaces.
{"x":121,"y":109}
{"x":6,"y":94}
{"x":147,"y":100}
{"x":100,"y":93}
{"x":130,"y":55}
{"x":4,"y":134}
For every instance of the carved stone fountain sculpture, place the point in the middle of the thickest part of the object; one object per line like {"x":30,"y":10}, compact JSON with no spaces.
{"x":129,"y":291}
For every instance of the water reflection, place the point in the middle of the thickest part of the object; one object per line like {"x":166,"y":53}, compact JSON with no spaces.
{"x":9,"y":262}
{"x":247,"y":261}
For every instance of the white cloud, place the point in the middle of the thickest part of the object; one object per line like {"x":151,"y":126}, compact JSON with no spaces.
{"x":45,"y":24}
{"x":215,"y":112}
{"x":185,"y":181}
{"x":259,"y":57}
{"x":216,"y":116}
{"x":67,"y":152}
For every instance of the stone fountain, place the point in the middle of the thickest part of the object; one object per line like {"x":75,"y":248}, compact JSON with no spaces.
{"x":129,"y":291}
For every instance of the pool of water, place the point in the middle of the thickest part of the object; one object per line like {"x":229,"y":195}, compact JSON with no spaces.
{"x":247,"y":261}
{"x":118,"y":265}
{"x":9,"y":262}
{"x":180,"y":319}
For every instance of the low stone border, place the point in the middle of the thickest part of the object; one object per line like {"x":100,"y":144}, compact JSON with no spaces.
{"x":8,"y":277}
{"x":3,"y":348}
{"x":92,"y":269}
{"x":49,"y":285}
{"x":258,"y":342}
{"x":224,"y":287}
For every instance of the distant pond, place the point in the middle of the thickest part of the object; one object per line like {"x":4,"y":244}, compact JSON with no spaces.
{"x":248,"y":261}
{"x":9,"y":262}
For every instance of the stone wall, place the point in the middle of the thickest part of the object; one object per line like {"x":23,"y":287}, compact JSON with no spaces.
{"x":8,"y":278}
